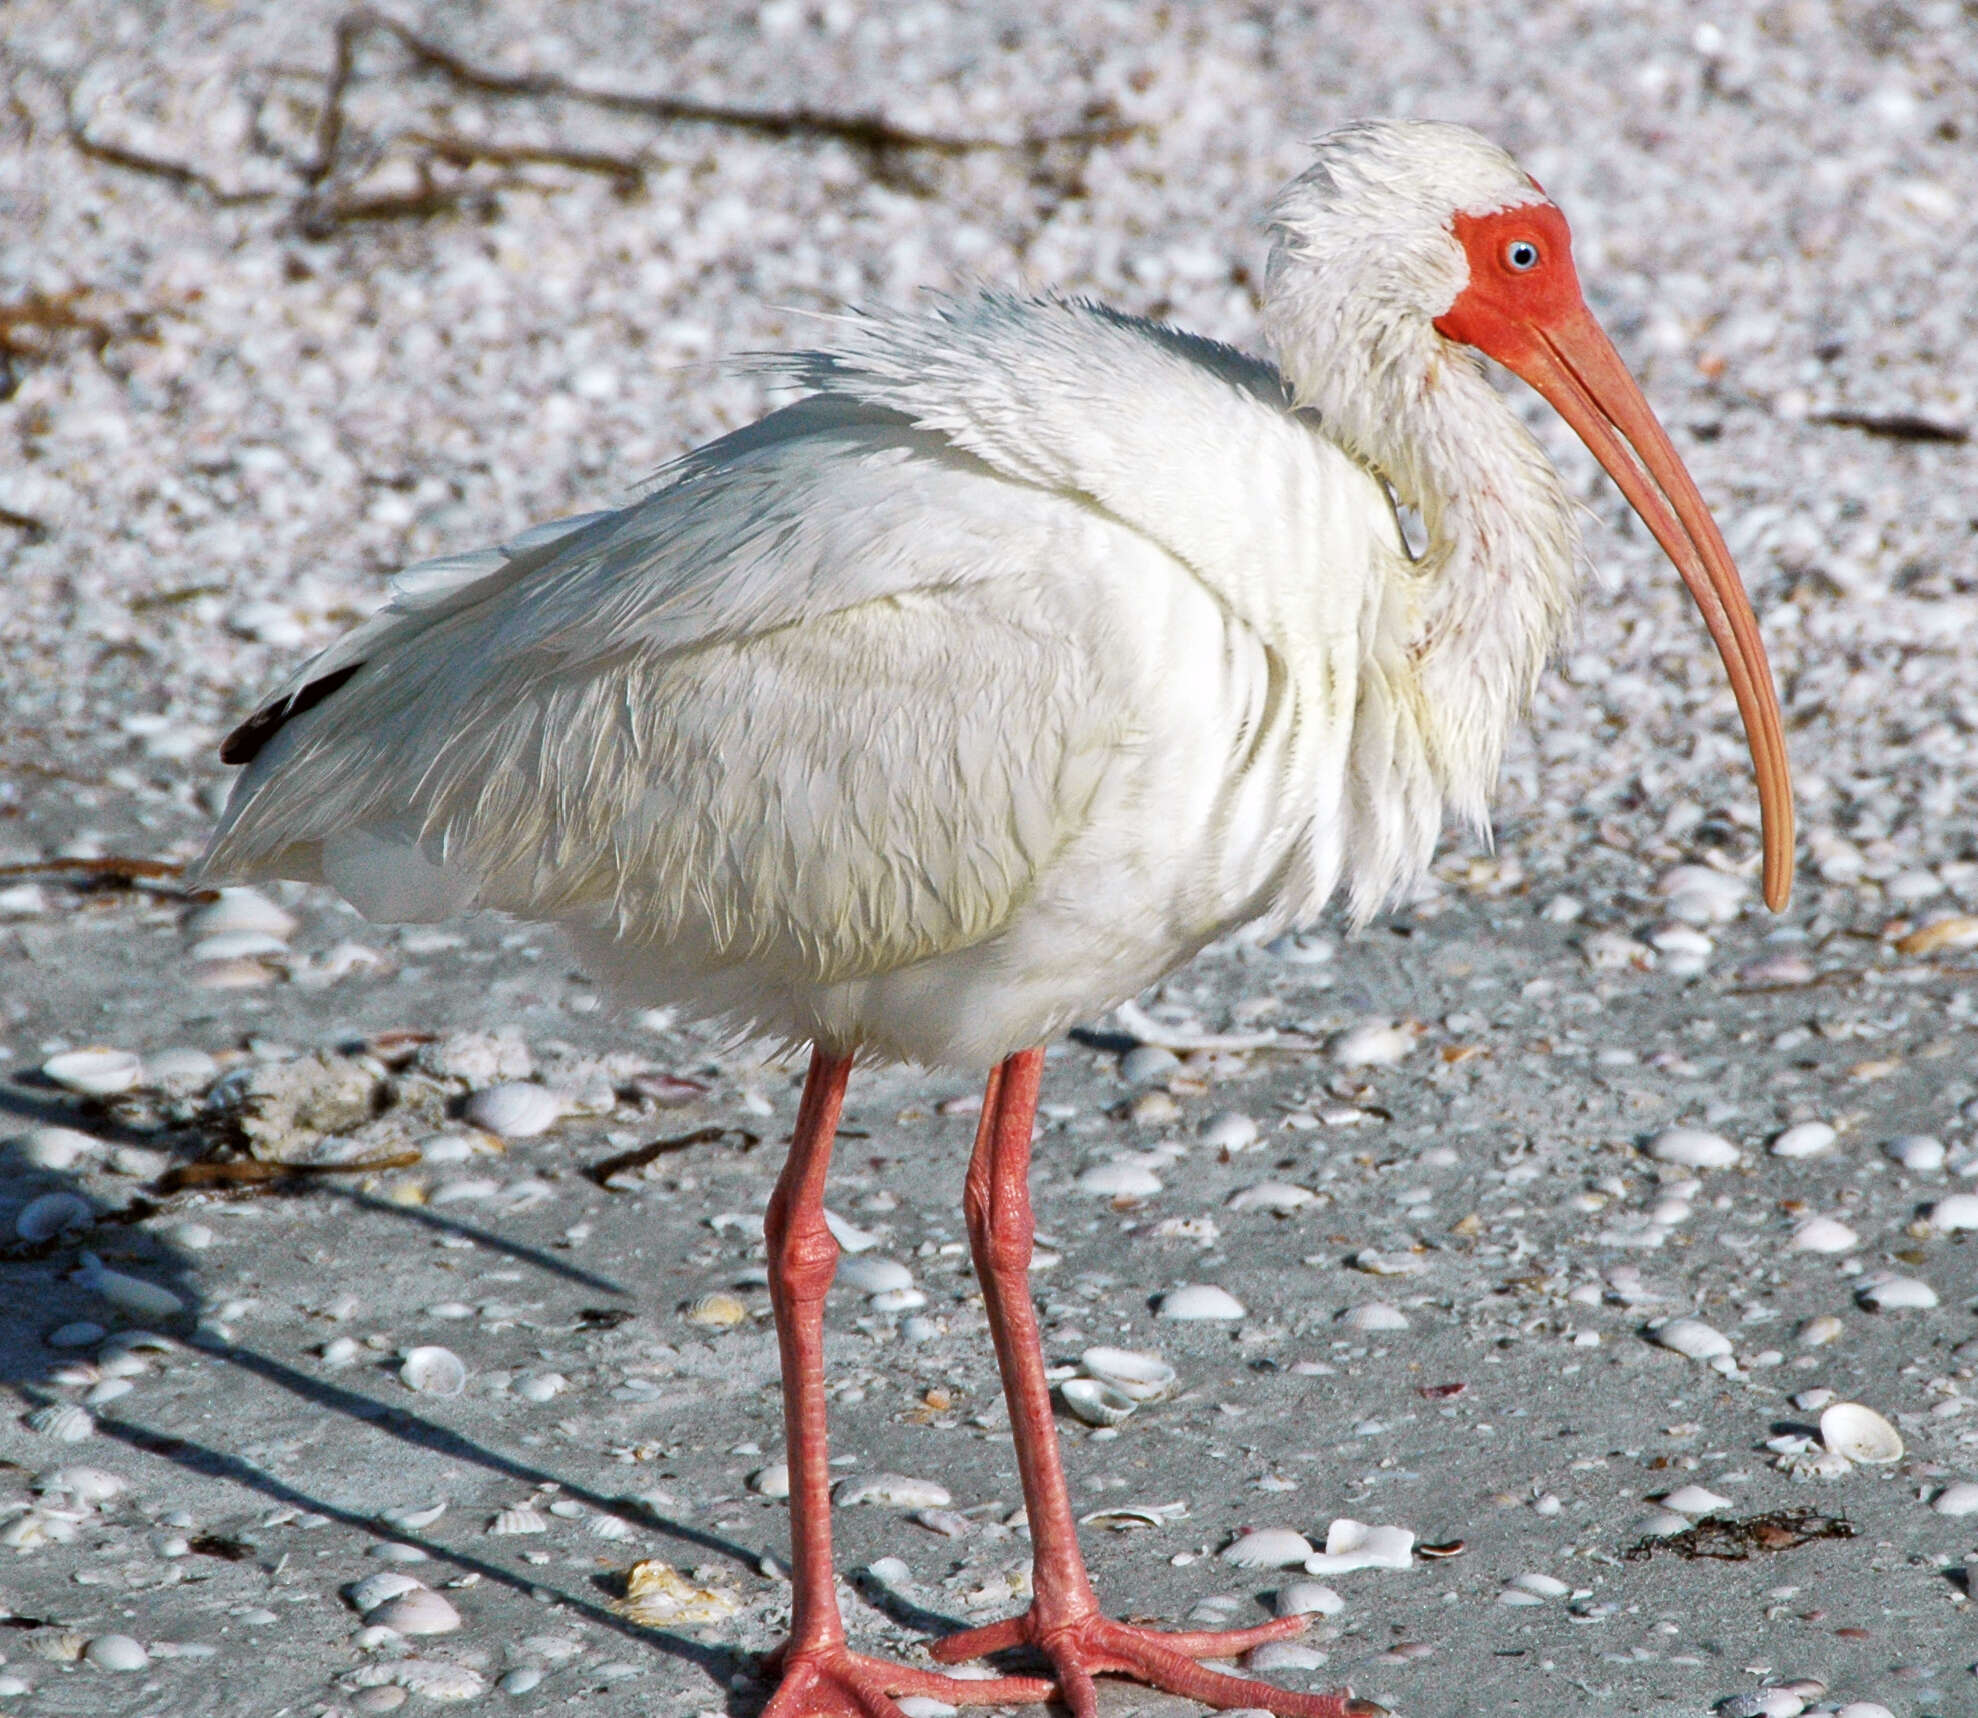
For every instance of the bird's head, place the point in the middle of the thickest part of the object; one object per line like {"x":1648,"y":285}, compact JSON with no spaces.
{"x":1410,"y":243}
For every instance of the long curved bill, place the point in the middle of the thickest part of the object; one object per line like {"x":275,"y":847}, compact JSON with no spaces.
{"x":1574,"y":366}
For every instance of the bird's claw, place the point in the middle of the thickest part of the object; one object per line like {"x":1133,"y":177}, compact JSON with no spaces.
{"x":1090,"y":1645}
{"x":832,"y":1681}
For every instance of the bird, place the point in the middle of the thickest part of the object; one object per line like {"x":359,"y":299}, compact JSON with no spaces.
{"x":1034,"y":647}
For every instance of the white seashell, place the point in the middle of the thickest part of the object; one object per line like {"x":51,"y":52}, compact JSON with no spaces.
{"x":522,"y":1518}
{"x":1819,"y":1331}
{"x":1388,"y":1264}
{"x":567,"y":1509}
{"x":610,"y":1527}
{"x":1120,"y":1178}
{"x":1268,"y":1548}
{"x":62,"y":1421}
{"x":420,"y":1611}
{"x":1764,"y":1703}
{"x":896,"y":1490}
{"x":433,"y":1372}
{"x":340,"y":1351}
{"x":1283,"y":1655}
{"x":116,"y":1652}
{"x":1374,"y":1315}
{"x":516,"y":1109}
{"x":51,"y":1215}
{"x":1958,"y":1498}
{"x":1885,"y":1293}
{"x":1374,"y":1044}
{"x":95,"y":1072}
{"x":236,"y":945}
{"x":1919,"y":1153}
{"x":1701,"y":896}
{"x":434,"y":1678}
{"x":870,"y":1274}
{"x":897,"y":1300}
{"x":521,"y":1681}
{"x":772,"y":1480}
{"x":1814,"y":1464}
{"x":1308,"y":1598}
{"x":849,"y":1236}
{"x":90,"y":1485}
{"x":372,"y":1591}
{"x":1193,"y":1301}
{"x":1693,"y":1148}
{"x":1808,"y":1139}
{"x":411,"y":1520}
{"x":241,"y":910}
{"x":1139,"y":1376}
{"x":1545,"y":1586}
{"x":133,"y":1294}
{"x":542,"y":1387}
{"x":1694,"y":1500}
{"x":1824,"y":1235}
{"x":1610,"y":951}
{"x":1232,"y":1130}
{"x":1860,"y":1434}
{"x":1518,"y":1596}
{"x":1353,"y":1544}
{"x":108,"y":1391}
{"x":1275,"y":1196}
{"x":1812,"y":1401}
{"x":719,"y":1310}
{"x":1692,"y":1338}
{"x":1955,"y":1214}
{"x":58,"y":1148}
{"x":1096,"y":1403}
{"x":1661,"y":1524}
{"x":1864,"y":1709}
{"x":1147,"y":1062}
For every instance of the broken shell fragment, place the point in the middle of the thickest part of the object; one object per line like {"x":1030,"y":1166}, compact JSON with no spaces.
{"x":1353,"y":1544}
{"x":1859,"y":1434}
{"x":1095,"y":1402}
{"x":1137,"y":1375}
{"x":900,"y":1491}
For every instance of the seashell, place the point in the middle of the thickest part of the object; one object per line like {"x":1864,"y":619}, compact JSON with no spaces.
{"x":1957,"y":1213}
{"x":90,"y":1485}
{"x":516,"y":1109}
{"x":1692,"y":1338}
{"x":1279,"y":1197}
{"x":1919,"y":1153}
{"x":1268,"y":1548}
{"x":1145,"y":1063}
{"x":1700,"y":896}
{"x":567,"y":1509}
{"x":849,"y":1236}
{"x":1952,"y":932}
{"x":1808,"y":1139}
{"x":62,"y":1421}
{"x":1814,"y":1464}
{"x":1120,"y":1178}
{"x":411,"y":1520}
{"x":1864,"y":1709}
{"x":95,"y":1072}
{"x":716,"y":1311}
{"x":1308,"y":1598}
{"x":1388,"y":1264}
{"x":373,"y":1590}
{"x":659,"y":1596}
{"x":521,"y":1681}
{"x":108,"y":1391}
{"x":418,"y":1611}
{"x":772,"y":1480}
{"x":1764,"y":1703}
{"x":522,"y":1518}
{"x":80,"y":1334}
{"x":897,"y":1490}
{"x":1693,"y":1148}
{"x":1139,"y":1376}
{"x":873,"y":1275}
{"x":1375,"y":1044}
{"x":1232,"y":1131}
{"x":241,"y":910}
{"x":1694,"y":1500}
{"x":433,"y":1371}
{"x":340,"y":1350}
{"x":51,"y":1215}
{"x":1195,"y":1301}
{"x":1283,"y":1655}
{"x":116,"y":1652}
{"x":610,"y":1527}
{"x":1096,"y":1403}
{"x":1374,"y":1315}
{"x":1860,"y":1434}
{"x":897,"y":1300}
{"x":1518,"y":1596}
{"x":436,"y":1679}
{"x":1812,"y":1401}
{"x":236,"y":945}
{"x":1543,"y":1586}
{"x":133,"y":1294}
{"x":1886,"y":1293}
{"x":1303,"y":948}
{"x":1824,"y":1235}
{"x":1661,"y":1524}
{"x":58,"y":1148}
{"x":1610,"y":951}
{"x":1353,"y":1544}
{"x":1959,"y":1498}
{"x":1819,"y":1331}
{"x":543,"y":1387}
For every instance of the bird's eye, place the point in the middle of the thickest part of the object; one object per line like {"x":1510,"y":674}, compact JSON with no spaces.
{"x":1521,"y":255}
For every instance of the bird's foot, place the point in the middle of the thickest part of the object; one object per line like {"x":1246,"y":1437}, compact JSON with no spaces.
{"x":1089,"y":1645}
{"x":832,"y":1681}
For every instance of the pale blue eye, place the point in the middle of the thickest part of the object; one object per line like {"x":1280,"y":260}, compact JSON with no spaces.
{"x":1521,"y":254}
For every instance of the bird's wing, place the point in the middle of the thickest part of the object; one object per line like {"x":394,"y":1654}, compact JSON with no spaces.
{"x":817,"y":696}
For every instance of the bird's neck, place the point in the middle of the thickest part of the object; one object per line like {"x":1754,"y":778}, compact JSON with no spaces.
{"x":1500,"y":576}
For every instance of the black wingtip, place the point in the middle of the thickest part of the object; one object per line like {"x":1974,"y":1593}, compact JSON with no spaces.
{"x":244,"y":744}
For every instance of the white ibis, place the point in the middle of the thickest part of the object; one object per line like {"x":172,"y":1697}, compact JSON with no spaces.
{"x":962,"y":699}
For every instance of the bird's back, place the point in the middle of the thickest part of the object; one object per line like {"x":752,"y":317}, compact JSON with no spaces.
{"x":1019,"y":659}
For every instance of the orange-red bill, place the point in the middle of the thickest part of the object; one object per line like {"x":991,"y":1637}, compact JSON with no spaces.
{"x":1574,"y":366}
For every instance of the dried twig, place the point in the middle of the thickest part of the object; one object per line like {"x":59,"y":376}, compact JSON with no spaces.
{"x":1897,"y":426}
{"x":603,"y":1172}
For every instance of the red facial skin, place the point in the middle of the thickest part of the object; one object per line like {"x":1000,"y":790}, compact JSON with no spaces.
{"x":1535,"y":323}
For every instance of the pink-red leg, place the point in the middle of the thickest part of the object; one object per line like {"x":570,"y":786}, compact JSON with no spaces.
{"x":818,"y":1675}
{"x":1064,"y":1620}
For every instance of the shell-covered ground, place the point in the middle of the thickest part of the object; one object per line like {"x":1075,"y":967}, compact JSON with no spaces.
{"x":291,"y":296}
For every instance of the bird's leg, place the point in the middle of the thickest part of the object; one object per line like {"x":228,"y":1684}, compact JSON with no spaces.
{"x":818,"y":1675}
{"x":1064,"y":1620}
